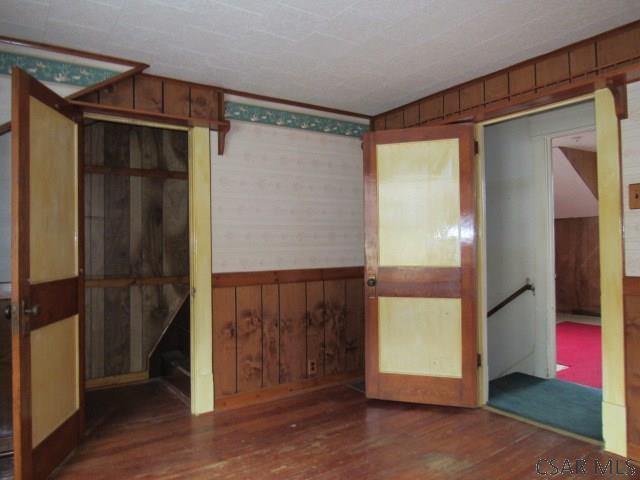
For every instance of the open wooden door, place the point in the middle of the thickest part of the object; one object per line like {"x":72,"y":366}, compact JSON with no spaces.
{"x":420,"y":242}
{"x":46,"y":303}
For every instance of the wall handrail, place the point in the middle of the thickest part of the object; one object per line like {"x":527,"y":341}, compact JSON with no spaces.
{"x":527,"y":286}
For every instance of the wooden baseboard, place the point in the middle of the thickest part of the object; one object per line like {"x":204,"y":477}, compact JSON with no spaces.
{"x":286,"y":390}
{"x":115,"y":380}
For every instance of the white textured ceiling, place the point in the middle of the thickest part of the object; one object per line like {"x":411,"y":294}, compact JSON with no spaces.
{"x":361,"y":55}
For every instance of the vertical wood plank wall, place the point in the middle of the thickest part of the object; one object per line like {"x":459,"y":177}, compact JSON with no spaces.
{"x":137,"y":245}
{"x":632,"y":353}
{"x":577,"y":265}
{"x":278,"y":328}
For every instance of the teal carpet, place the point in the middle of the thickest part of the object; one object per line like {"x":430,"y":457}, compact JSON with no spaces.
{"x":567,"y":406}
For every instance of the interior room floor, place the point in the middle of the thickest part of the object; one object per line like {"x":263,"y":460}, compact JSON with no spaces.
{"x":144,"y":431}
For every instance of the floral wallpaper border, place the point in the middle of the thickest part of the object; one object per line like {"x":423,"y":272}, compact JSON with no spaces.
{"x":284,"y":118}
{"x":56,"y":71}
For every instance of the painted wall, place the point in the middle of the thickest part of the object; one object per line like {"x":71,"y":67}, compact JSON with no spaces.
{"x":571,"y":196}
{"x":286,"y":198}
{"x":519,"y":229}
{"x":630,"y":132}
{"x":5,"y":208}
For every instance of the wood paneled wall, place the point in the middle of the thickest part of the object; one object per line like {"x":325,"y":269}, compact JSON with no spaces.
{"x":278,"y":328}
{"x":577,"y":265}
{"x":612,"y":54}
{"x":149,"y":93}
{"x":137,"y":243}
{"x":632,"y":361}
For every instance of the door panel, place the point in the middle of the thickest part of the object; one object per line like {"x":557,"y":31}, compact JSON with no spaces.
{"x":420,"y":265}
{"x":408,"y":187}
{"x":52,"y":196}
{"x":47,"y":320}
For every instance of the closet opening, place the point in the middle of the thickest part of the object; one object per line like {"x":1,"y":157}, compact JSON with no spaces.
{"x":137,"y":301}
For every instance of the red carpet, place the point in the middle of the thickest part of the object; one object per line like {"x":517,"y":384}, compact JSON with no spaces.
{"x":579,"y":348}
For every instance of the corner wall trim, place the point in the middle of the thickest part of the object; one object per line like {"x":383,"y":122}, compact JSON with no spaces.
{"x":284,"y":118}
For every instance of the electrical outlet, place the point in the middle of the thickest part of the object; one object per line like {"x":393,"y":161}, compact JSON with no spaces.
{"x":634,"y":196}
{"x":312,"y":368}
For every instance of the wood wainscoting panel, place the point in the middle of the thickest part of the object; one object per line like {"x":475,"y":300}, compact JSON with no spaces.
{"x":285,"y":331}
{"x":249,"y":338}
{"x":315,"y":328}
{"x":632,"y":363}
{"x":354,"y":330}
{"x":270,"y":336}
{"x":293,"y":334}
{"x":224,"y":341}
{"x":334,"y":328}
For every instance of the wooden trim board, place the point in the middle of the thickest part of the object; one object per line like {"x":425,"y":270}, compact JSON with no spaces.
{"x":286,"y":390}
{"x":236,"y":279}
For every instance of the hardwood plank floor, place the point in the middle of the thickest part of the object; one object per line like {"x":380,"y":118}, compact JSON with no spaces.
{"x":143,"y":431}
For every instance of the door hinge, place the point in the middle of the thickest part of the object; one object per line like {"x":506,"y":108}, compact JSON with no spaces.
{"x":479,"y":360}
{"x":20,"y":324}
{"x":476,"y":147}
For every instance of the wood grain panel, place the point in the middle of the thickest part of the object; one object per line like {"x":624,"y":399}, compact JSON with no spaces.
{"x":334,"y":327}
{"x":412,"y":115}
{"x":622,"y":46}
{"x":379,"y":123}
{"x":632,"y":367}
{"x":270,"y":336}
{"x":315,"y":328}
{"x":293,"y":333}
{"x":294,"y":318}
{"x":496,"y":88}
{"x":582,"y":59}
{"x":354,"y":329}
{"x":432,"y":108}
{"x":395,"y":120}
{"x":522,"y":80}
{"x":204,"y":103}
{"x":552,"y":69}
{"x":148,"y":93}
{"x":57,"y":300}
{"x":137,"y":238}
{"x":224,"y":341}
{"x":472,"y":96}
{"x":117,"y":346}
{"x":118,"y":94}
{"x":249,"y":338}
{"x":577,"y":265}
{"x":236,"y":279}
{"x":176,"y":98}
{"x":451,"y":102}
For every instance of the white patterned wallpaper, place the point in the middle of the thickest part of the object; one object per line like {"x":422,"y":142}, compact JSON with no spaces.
{"x":286,"y":199}
{"x":631,"y":174}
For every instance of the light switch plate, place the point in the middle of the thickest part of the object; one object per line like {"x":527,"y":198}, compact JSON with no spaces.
{"x":634,"y":196}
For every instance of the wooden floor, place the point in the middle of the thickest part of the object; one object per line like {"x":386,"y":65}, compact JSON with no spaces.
{"x":143,"y":431}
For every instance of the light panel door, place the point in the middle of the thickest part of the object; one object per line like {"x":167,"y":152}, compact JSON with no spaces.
{"x":421,"y":327}
{"x":46,"y":314}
